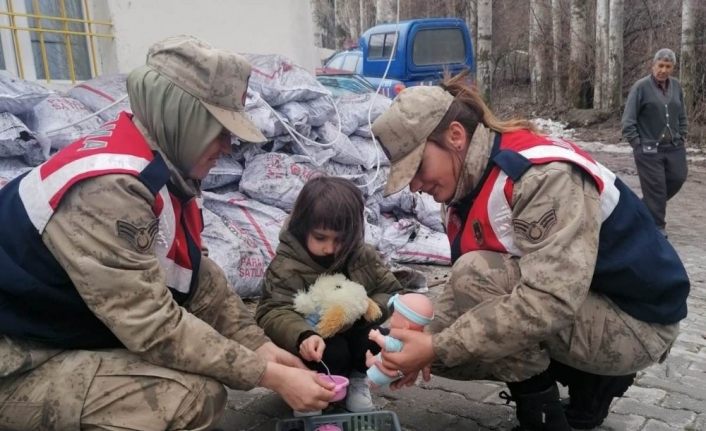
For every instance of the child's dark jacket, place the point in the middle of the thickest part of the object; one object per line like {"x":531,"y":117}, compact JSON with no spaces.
{"x":292,"y":270}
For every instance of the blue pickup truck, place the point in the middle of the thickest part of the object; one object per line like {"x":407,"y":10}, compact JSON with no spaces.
{"x":425,"y":49}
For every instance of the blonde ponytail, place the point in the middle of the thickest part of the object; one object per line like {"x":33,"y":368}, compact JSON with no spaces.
{"x":467,"y":94}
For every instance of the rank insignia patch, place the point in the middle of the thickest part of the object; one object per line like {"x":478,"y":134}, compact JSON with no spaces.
{"x":477,"y":232}
{"x":141,"y":238}
{"x":535,"y":231}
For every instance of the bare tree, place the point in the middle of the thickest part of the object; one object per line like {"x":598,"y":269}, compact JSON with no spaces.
{"x":472,"y":22}
{"x":615,"y":55}
{"x":538,"y":51}
{"x":578,"y":55}
{"x":601,"y":55}
{"x":687,"y":65}
{"x":325,"y":24}
{"x":362,"y":25}
{"x":348,"y":19}
{"x":385,"y":11}
{"x":484,"y":60}
{"x":558,"y":87}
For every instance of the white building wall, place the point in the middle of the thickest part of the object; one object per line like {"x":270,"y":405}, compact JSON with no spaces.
{"x":246,"y":26}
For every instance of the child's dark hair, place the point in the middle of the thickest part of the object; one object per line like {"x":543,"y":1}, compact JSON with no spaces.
{"x":330,"y":203}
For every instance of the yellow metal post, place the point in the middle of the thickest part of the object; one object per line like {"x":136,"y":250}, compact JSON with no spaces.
{"x":87,"y":15}
{"x":15,"y":40}
{"x":42,"y":47}
{"x":67,"y":42}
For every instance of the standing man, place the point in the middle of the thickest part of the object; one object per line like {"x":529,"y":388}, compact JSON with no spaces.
{"x":655,"y":125}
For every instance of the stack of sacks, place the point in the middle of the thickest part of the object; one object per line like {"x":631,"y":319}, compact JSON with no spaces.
{"x":19,"y":146}
{"x":35,"y":121}
{"x":332,"y":138}
{"x":249,"y":193}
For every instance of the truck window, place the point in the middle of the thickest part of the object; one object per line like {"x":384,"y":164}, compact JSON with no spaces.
{"x":350,"y":63}
{"x":380,"y":45}
{"x":336,"y":62}
{"x":438,"y":46}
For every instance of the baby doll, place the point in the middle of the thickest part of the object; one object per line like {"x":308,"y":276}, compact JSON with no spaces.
{"x":410,"y":311}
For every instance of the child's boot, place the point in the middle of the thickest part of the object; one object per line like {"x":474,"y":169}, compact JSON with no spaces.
{"x":359,"y":399}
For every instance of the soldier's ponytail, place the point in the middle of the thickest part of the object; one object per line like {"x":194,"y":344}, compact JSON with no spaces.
{"x":468,"y":108}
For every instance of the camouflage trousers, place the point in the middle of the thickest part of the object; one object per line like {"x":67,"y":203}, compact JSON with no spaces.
{"x":603,"y":339}
{"x":48,"y":389}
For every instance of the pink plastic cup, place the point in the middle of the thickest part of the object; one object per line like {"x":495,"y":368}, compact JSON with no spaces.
{"x":341,"y":387}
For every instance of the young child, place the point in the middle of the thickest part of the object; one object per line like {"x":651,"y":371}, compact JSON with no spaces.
{"x":325,"y":235}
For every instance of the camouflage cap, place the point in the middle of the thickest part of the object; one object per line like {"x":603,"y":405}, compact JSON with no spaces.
{"x":404,"y":128}
{"x":217,"y":78}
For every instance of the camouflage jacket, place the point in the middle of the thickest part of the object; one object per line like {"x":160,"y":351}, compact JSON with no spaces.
{"x":555,"y":276}
{"x":125,"y":287}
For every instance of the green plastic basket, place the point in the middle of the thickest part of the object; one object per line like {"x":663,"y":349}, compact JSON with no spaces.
{"x":372,"y":421}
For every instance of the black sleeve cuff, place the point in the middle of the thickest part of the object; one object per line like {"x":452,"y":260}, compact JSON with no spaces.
{"x":303,"y":336}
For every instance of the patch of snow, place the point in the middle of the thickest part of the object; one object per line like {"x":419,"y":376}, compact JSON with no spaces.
{"x":553,"y":128}
{"x":622,"y":147}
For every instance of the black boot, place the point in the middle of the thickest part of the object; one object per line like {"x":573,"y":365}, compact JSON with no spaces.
{"x":538,"y":411}
{"x":590,"y":394}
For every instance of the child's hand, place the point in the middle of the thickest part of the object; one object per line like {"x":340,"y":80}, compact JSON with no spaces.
{"x":377,"y":337}
{"x":312,"y":348}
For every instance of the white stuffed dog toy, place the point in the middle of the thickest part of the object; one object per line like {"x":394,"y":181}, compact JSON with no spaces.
{"x":333,"y":303}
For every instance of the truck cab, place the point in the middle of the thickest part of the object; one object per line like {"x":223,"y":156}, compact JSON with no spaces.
{"x":426,"y":48}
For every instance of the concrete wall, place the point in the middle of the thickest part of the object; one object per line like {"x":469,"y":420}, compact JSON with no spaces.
{"x":253,"y":26}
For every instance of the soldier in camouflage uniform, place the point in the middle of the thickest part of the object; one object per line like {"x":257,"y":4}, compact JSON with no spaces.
{"x":111,"y":315}
{"x":559,"y":273}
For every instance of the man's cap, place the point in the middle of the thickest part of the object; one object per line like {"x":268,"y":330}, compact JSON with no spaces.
{"x":404,"y":128}
{"x":216,"y":77}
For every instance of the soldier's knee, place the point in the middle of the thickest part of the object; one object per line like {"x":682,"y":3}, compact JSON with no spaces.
{"x":204,"y":406}
{"x":212,"y":275}
{"x":484,"y":271}
{"x":481,"y":261}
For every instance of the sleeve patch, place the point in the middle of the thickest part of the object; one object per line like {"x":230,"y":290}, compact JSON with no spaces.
{"x":535,"y":231}
{"x":141,"y":238}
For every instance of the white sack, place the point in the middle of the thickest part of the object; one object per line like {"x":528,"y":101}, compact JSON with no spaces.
{"x":353,"y":110}
{"x":428,"y":212}
{"x":227,"y":171}
{"x":424,"y":246}
{"x":18,"y":96}
{"x":263,"y":117}
{"x":279,"y":81}
{"x":100,"y":92}
{"x":17,"y":141}
{"x":10,"y":169}
{"x":245,"y":243}
{"x":241,"y":261}
{"x":277,"y":178}
{"x":313,"y":112}
{"x":57,"y":112}
{"x":408,"y":241}
{"x":351,"y":150}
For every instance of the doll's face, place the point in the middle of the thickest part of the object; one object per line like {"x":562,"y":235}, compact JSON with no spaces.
{"x":323,"y":242}
{"x":398,"y":321}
